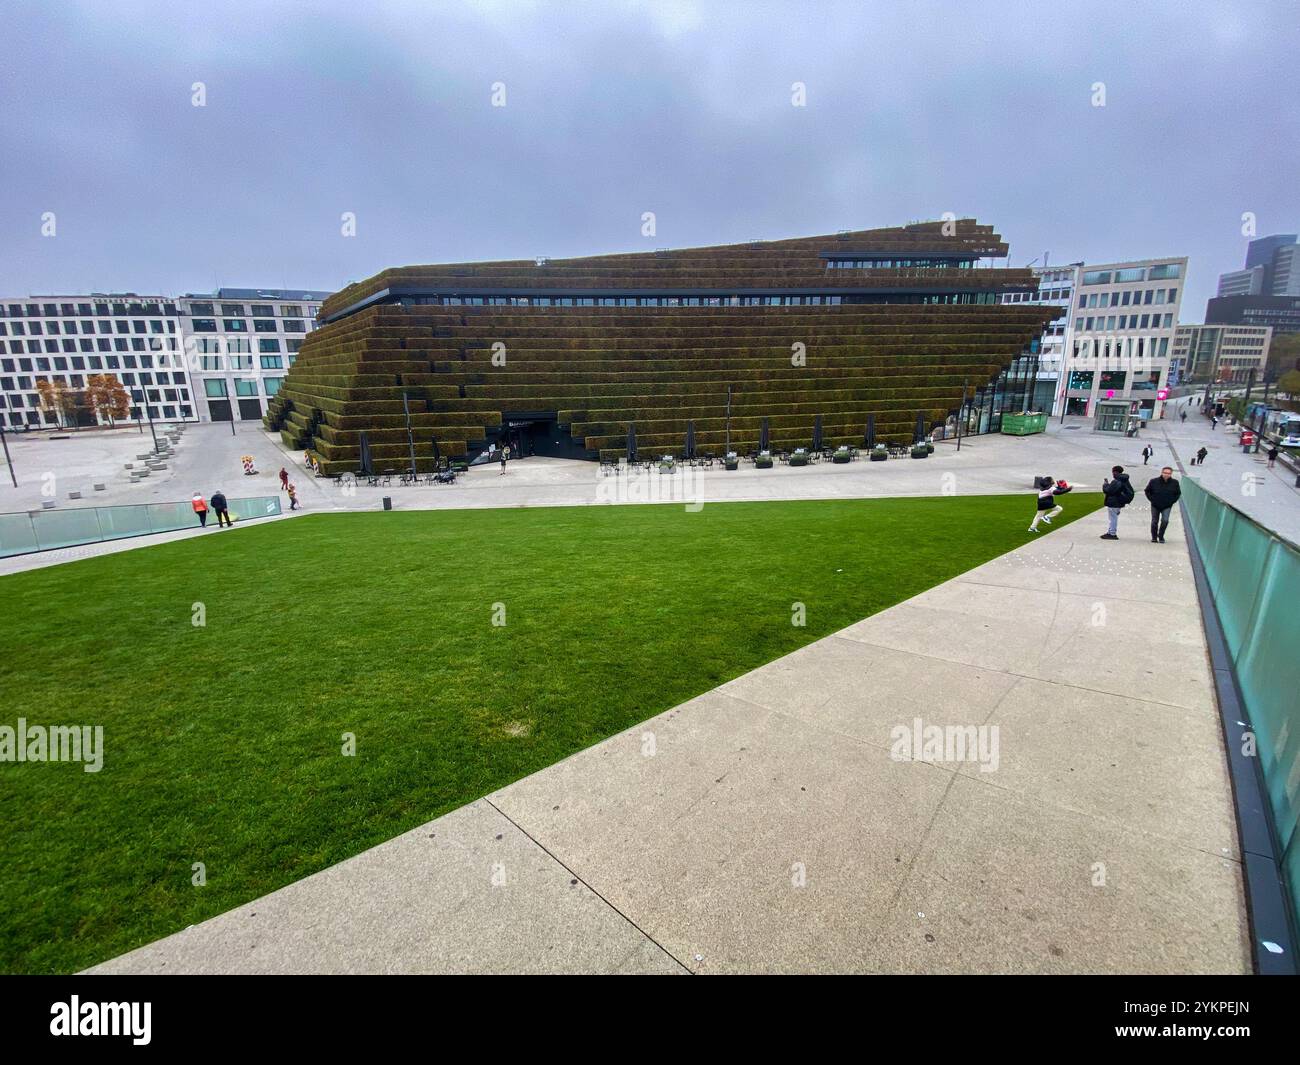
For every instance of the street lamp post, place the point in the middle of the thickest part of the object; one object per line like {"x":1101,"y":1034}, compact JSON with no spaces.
{"x":5,"y":441}
{"x":410,"y":438}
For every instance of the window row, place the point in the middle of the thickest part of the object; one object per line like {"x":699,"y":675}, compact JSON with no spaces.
{"x":1140,"y":297}
{"x":239,"y":310}
{"x":34,"y":347}
{"x":239,"y":325}
{"x":84,"y":310}
{"x":215,"y":387}
{"x":1111,"y":322}
{"x":36,"y":329}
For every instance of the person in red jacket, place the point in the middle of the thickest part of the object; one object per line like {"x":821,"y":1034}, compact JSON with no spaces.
{"x":284,"y":479}
{"x":200,"y":506}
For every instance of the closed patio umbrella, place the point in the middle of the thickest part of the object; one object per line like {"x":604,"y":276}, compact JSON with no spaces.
{"x":763,"y":436}
{"x":817,"y":434}
{"x":437,"y":454}
{"x":919,"y":433}
{"x":690,"y":440}
{"x":631,"y":441}
{"x":870,"y":439}
{"x":366,"y":467}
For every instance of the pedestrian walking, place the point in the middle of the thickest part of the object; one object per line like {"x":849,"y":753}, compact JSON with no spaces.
{"x":1200,"y":457}
{"x":1163,"y":492}
{"x":284,"y":479}
{"x":1047,"y":491}
{"x":1147,"y":452}
{"x":1214,"y":422}
{"x":200,"y":506}
{"x":1272,"y":456}
{"x":293,"y":496}
{"x":223,"y":511}
{"x":505,"y":454}
{"x":1183,"y":417}
{"x":1119,"y":494}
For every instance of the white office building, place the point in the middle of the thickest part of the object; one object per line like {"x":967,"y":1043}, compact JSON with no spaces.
{"x":240,"y":343}
{"x":67,"y":339}
{"x":1123,"y":323}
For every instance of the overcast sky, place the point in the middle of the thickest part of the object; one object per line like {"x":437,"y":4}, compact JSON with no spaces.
{"x":612,"y":109}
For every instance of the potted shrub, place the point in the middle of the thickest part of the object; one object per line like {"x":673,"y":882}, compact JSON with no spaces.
{"x":764,"y":460}
{"x":879,"y":453}
{"x":842,"y":455}
{"x":667,"y":464}
{"x":919,"y":451}
{"x":929,"y":446}
{"x":799,"y":457}
{"x":731,"y":461}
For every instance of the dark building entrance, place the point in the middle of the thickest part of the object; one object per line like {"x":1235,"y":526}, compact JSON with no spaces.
{"x":251,"y":410}
{"x":219,"y":410}
{"x":538,"y":433}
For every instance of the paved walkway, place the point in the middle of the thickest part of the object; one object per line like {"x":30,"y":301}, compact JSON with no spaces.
{"x":767,"y":825}
{"x":208,"y":458}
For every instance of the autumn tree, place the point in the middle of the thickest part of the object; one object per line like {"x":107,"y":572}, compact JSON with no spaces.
{"x":57,"y":397}
{"x":108,"y":397}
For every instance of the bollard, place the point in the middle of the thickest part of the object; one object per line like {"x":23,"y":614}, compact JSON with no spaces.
{"x":388,"y":502}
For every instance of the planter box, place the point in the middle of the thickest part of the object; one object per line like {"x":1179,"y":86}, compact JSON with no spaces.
{"x":732,"y":464}
{"x":841,"y":457}
{"x":798,"y":460}
{"x":920,"y":453}
{"x":879,"y":456}
{"x":763,"y":462}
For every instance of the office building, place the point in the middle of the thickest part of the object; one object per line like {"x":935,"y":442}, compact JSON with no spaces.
{"x":1123,"y":322}
{"x":1266,"y":292}
{"x":1219,"y":353}
{"x":68,"y":339}
{"x":240,"y":342}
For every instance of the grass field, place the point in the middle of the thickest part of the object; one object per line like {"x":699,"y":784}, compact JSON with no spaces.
{"x":223,"y":742}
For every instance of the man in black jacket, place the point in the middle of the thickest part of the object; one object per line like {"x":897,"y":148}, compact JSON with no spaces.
{"x":1119,"y":494}
{"x":218,"y":502}
{"x":1163,"y":491}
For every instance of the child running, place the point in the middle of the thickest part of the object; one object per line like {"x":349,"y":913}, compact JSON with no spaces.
{"x":1048,"y":508}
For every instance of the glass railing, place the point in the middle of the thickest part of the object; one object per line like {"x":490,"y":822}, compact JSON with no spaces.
{"x":1254,"y":577}
{"x":46,"y":530}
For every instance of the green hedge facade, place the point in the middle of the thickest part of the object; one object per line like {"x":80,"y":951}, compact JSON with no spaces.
{"x":599,"y":368}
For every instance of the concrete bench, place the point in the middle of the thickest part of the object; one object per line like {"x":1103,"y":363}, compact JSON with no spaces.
{"x":99,"y":488}
{"x":74,"y":495}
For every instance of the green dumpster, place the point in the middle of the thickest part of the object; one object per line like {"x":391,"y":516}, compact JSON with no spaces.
{"x":1024,"y":424}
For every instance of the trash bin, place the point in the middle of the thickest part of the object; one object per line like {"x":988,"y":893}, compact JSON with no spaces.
{"x":388,"y":502}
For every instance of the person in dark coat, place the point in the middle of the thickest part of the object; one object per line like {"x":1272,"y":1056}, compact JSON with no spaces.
{"x":1119,"y":494}
{"x":1147,"y":452}
{"x":218,"y":501}
{"x":1272,"y":456}
{"x":1163,"y":492}
{"x":1200,"y":457}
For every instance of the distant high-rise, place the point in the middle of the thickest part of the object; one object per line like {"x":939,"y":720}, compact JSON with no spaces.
{"x":1266,"y":292}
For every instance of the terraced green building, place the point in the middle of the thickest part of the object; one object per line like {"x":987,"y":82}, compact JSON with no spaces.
{"x":561,"y":356}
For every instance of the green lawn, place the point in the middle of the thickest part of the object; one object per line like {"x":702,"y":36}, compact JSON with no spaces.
{"x":222,"y":743}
